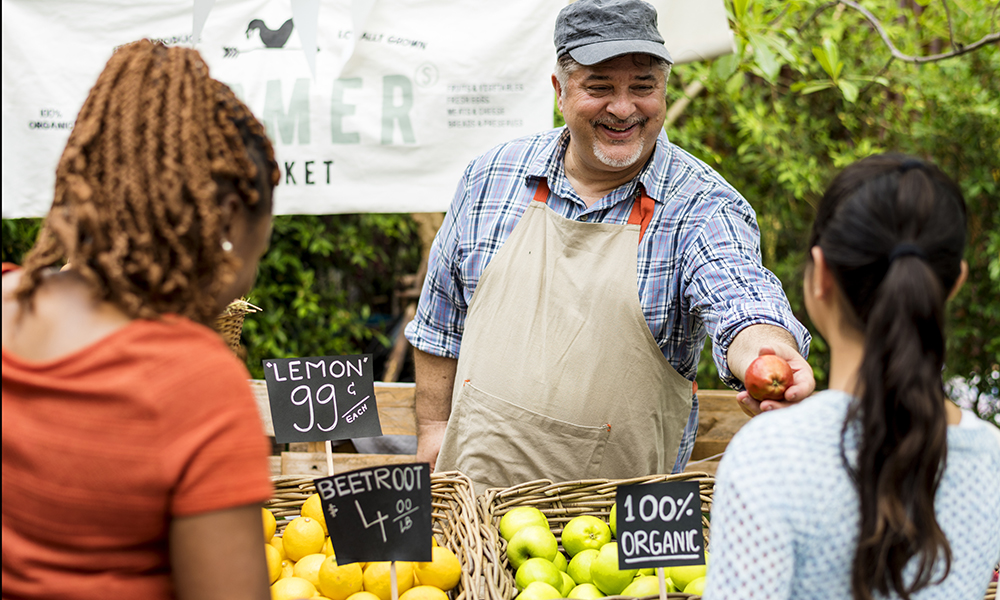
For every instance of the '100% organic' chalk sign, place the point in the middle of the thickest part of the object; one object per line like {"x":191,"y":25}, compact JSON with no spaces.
{"x":659,"y":525}
{"x":379,"y":514}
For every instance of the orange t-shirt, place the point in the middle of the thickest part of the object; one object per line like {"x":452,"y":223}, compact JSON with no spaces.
{"x":102,"y":447}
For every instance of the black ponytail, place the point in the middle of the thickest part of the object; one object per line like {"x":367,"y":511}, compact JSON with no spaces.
{"x":892,"y":230}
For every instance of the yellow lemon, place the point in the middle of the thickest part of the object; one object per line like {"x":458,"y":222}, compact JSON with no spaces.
{"x":273,"y":563}
{"x":279,"y":546}
{"x":328,"y":547}
{"x":423,"y":592}
{"x":292,"y":588}
{"x":378,"y":582}
{"x":308,"y":567}
{"x":302,"y":537}
{"x":362,"y":596}
{"x":443,"y":571}
{"x":337,"y":582}
{"x":313,"y":509}
{"x":287,"y":568}
{"x":270,"y":524}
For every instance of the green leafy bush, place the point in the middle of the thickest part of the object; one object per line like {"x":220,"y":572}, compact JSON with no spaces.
{"x":811,"y":89}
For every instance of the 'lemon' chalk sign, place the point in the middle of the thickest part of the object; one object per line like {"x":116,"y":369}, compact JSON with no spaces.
{"x":322,"y":398}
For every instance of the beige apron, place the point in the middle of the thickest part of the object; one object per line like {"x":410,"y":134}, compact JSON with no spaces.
{"x":559,"y":376}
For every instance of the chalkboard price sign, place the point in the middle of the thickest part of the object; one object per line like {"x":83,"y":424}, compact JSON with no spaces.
{"x":659,"y":525}
{"x":322,"y":398}
{"x":380,"y":513}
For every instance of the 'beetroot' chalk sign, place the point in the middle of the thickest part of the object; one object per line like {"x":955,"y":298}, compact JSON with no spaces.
{"x":380,"y":513}
{"x":322,"y":398}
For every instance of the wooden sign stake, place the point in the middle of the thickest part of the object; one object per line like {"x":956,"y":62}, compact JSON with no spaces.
{"x":329,"y":457}
{"x":392,"y":580}
{"x":663,"y":583}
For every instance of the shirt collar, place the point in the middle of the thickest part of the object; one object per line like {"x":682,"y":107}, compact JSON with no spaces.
{"x":549,"y":165}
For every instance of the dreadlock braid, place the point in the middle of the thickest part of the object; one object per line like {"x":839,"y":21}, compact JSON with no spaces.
{"x":136,"y":205}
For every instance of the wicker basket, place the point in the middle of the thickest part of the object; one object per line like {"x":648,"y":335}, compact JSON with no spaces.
{"x":991,"y":591}
{"x":454,"y":519}
{"x":230,"y":323}
{"x":560,"y":502}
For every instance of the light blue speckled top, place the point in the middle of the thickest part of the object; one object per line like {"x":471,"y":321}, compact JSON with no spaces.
{"x":785,"y":513}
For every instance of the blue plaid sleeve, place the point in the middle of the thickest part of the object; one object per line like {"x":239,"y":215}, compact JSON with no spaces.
{"x":729,"y":287}
{"x":440,"y":319}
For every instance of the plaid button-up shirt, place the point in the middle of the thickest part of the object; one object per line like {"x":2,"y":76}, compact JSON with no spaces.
{"x":699,"y":266}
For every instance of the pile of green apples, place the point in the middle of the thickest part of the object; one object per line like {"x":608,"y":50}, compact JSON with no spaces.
{"x":544,"y":572}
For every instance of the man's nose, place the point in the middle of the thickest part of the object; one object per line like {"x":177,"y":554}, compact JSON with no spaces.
{"x":621,"y":106}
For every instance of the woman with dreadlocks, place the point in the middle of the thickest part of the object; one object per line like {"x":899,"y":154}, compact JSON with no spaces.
{"x":134,"y":463}
{"x":879,"y":487}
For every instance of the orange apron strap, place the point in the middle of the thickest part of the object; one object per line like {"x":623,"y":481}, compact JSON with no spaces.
{"x":642,"y":208}
{"x":542,"y":191}
{"x":642,"y":212}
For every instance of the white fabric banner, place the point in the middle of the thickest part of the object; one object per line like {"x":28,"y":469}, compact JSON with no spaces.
{"x":382,"y":117}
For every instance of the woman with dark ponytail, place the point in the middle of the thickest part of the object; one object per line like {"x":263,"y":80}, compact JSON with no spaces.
{"x":879,"y":487}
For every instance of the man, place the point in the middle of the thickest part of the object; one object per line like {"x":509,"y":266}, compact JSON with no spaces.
{"x":571,"y":285}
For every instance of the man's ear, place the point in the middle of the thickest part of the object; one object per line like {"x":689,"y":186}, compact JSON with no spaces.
{"x":960,"y":281}
{"x":558,"y":89}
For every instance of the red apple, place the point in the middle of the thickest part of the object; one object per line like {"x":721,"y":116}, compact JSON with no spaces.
{"x":768,"y":377}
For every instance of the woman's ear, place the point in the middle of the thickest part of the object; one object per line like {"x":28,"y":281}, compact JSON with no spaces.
{"x":962,"y":276}
{"x":820,"y":278}
{"x":229,"y":208}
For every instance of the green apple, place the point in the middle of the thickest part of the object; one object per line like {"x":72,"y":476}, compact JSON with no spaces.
{"x":519,"y":517}
{"x":533,"y":541}
{"x":643,"y":572}
{"x":696,"y":587}
{"x":567,"y":584}
{"x":585,"y":591}
{"x":605,"y":573}
{"x":613,"y":520}
{"x":682,"y":576}
{"x":583,"y":532}
{"x":646,"y":585}
{"x":579,"y":566}
{"x":538,"y":569}
{"x":538,"y":590}
{"x":560,"y":561}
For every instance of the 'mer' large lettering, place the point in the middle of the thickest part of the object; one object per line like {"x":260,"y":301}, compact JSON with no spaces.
{"x":278,"y":121}
{"x":393,"y":111}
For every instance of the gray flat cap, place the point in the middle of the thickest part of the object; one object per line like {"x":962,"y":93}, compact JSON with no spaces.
{"x":593,"y":31}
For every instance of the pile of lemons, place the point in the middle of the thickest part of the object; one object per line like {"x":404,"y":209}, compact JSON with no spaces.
{"x":302,"y":564}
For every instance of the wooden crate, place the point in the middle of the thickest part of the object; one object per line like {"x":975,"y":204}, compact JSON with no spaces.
{"x":719,"y":419}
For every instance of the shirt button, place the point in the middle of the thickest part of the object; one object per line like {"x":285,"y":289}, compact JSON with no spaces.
{"x":585,"y":218}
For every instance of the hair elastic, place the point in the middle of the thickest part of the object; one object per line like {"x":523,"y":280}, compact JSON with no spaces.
{"x":910,"y":163}
{"x":907,"y":249}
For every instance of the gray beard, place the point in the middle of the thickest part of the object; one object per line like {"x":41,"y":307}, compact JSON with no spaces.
{"x":619,"y":163}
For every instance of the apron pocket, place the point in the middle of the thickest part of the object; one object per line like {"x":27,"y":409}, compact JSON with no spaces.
{"x":499,"y":444}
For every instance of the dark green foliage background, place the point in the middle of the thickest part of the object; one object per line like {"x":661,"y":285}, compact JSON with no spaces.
{"x":808,"y":92}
